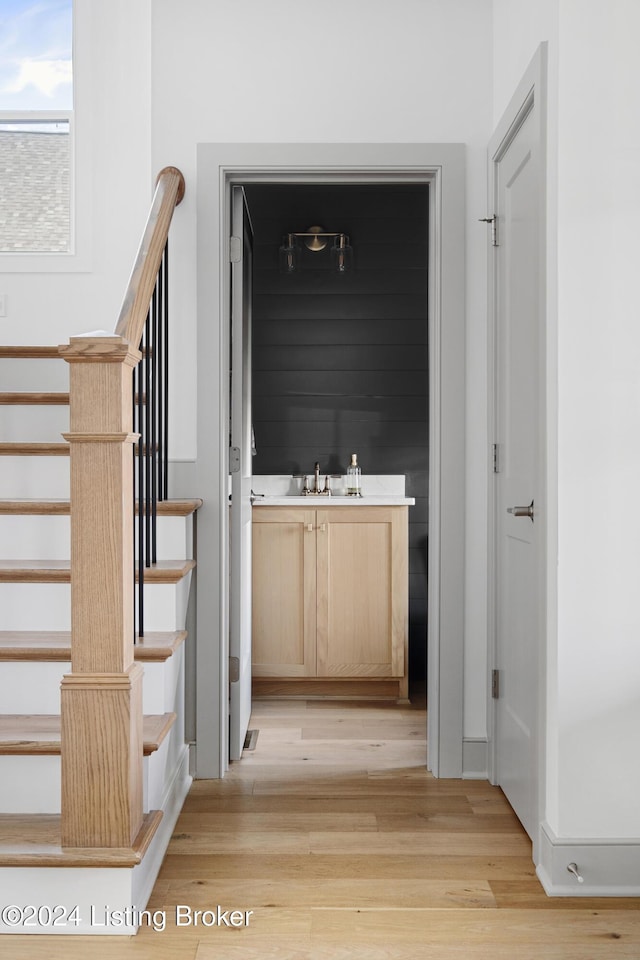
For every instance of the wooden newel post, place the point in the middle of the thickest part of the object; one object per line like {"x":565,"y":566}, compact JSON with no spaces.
{"x":102,"y":696}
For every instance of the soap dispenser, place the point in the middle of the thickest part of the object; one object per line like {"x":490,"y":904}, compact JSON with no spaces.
{"x":353,"y":478}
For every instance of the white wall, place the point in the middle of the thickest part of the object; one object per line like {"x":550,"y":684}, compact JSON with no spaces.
{"x":599,"y":420}
{"x":593,"y":657}
{"x":519,"y":26}
{"x":363,"y":71}
{"x":113,"y":130}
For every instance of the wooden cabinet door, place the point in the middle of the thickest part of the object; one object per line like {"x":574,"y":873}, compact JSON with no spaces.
{"x":362,"y":591}
{"x":284,"y":592}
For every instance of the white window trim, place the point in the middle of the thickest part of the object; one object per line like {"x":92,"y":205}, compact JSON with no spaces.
{"x":79,"y":257}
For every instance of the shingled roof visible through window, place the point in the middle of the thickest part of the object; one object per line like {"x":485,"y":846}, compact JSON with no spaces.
{"x":34,"y":192}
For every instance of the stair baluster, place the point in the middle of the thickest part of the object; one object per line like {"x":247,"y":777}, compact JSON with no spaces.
{"x":150,"y":422}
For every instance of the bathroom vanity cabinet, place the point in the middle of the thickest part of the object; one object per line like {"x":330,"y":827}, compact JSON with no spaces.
{"x":330,"y":600}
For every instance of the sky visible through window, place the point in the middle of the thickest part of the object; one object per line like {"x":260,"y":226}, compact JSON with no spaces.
{"x":35,"y":55}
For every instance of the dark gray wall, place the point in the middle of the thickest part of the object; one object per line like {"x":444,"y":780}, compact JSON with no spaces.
{"x":340,"y":363}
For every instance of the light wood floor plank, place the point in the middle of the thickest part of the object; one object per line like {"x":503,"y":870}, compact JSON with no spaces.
{"x":296,"y":950}
{"x":288,"y":822}
{"x":202,"y":841}
{"x":448,"y":821}
{"x":392,"y":867}
{"x":478,"y":926}
{"x":528,"y":894}
{"x":378,"y":753}
{"x":384,"y":805}
{"x":329,"y":892}
{"x":157,"y":946}
{"x":406,"y":729}
{"x":421,"y":844}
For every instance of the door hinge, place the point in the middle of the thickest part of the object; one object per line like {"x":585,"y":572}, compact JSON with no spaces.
{"x":495,"y":684}
{"x":494,"y":227}
{"x":496,"y":458}
{"x":234,"y":459}
{"x":234,"y":669}
{"x":235,"y":249}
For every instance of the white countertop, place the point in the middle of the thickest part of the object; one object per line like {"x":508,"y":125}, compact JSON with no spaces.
{"x":377,"y":490}
{"x":320,"y":502}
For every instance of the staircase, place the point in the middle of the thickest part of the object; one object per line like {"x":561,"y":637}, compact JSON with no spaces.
{"x":51,"y":755}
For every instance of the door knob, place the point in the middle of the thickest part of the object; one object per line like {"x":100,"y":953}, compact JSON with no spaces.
{"x":522,"y":511}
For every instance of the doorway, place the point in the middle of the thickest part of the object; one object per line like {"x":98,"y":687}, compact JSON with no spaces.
{"x":340,"y":361}
{"x":219,"y":168}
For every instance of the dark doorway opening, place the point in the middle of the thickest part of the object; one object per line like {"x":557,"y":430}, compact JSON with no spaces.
{"x":340,"y":362}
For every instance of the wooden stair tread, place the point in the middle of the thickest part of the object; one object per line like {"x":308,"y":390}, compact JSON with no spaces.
{"x":54,"y":645}
{"x":40,"y":398}
{"x":34,"y":507}
{"x":33,"y":840}
{"x":29,"y":353}
{"x":39,"y":734}
{"x":59,"y":571}
{"x":30,"y":399}
{"x":165,"y":508}
{"x":23,"y":449}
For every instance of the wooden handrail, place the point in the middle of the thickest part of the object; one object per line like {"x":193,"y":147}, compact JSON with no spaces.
{"x":168,"y":194}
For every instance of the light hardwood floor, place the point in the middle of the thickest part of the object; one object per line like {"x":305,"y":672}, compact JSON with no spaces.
{"x":333,"y":833}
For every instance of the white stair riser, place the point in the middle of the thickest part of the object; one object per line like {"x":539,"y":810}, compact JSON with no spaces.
{"x":35,"y":537}
{"x":34,"y":478}
{"x":166,"y":605}
{"x":88,"y":889}
{"x":47,"y":606}
{"x":29,"y":784}
{"x":35,"y":606}
{"x":32,"y":784}
{"x":34,"y":423}
{"x":174,"y":538}
{"x":34,"y":376}
{"x":34,"y":687}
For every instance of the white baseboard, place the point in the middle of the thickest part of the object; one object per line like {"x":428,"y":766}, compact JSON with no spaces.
{"x":474,"y":758}
{"x":608,"y":867}
{"x":145,"y":874}
{"x":107,"y":900}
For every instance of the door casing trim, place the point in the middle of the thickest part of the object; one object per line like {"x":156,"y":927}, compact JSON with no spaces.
{"x":442,"y":166}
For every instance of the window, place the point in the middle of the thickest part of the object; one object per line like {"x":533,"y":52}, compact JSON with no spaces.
{"x":36,"y":122}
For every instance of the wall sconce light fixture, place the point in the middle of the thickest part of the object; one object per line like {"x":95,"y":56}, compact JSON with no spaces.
{"x":315,"y":239}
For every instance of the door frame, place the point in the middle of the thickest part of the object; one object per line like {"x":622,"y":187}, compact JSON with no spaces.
{"x":240,"y":433}
{"x":530,"y":98}
{"x":442,"y":166}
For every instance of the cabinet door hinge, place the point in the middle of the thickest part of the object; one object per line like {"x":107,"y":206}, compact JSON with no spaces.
{"x":494,"y":227}
{"x":234,"y":459}
{"x":235,"y":249}
{"x":495,"y":684}
{"x":234,"y":669}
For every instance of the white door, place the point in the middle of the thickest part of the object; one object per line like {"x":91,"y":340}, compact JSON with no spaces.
{"x":519,"y":492}
{"x":241,"y":474}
